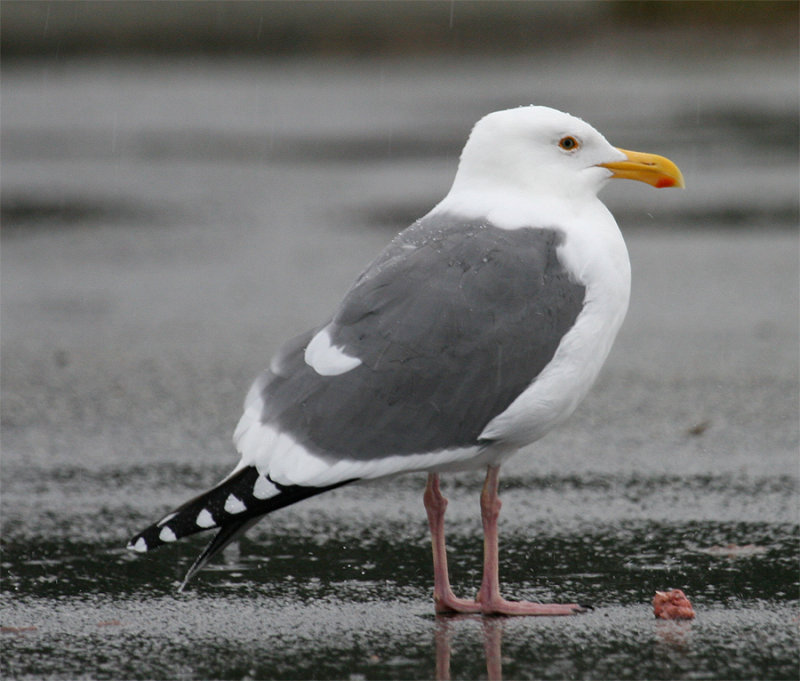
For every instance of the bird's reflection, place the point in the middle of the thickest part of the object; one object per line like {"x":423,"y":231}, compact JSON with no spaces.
{"x":674,"y":635}
{"x":492,"y":629}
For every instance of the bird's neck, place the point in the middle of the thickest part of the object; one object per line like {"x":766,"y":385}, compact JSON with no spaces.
{"x":515,"y":207}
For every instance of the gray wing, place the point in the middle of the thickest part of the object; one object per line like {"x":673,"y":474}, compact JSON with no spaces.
{"x":451,"y":323}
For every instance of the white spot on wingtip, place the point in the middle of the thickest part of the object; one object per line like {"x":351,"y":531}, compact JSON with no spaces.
{"x":205,"y":519}
{"x":234,"y":505}
{"x":140,"y":546}
{"x":328,"y":359}
{"x":264,"y":489}
{"x":166,"y":535}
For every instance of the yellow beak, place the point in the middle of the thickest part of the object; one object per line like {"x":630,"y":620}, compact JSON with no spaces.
{"x":650,"y":168}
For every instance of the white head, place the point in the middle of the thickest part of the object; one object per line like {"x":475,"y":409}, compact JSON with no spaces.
{"x":540,"y":151}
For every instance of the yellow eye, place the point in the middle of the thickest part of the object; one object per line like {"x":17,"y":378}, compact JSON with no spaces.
{"x":568,"y":143}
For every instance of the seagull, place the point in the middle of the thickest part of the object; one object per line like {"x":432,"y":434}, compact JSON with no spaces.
{"x":475,"y":331}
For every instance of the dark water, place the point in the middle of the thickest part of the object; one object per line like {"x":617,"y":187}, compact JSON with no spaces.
{"x":329,"y":593}
{"x":166,"y":225}
{"x":347,"y":595}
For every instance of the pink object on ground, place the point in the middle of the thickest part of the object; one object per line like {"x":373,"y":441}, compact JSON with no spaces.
{"x":672,"y":605}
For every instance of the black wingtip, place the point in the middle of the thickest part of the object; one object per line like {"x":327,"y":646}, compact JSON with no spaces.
{"x":154,"y":536}
{"x":233,"y":506}
{"x":221,"y":505}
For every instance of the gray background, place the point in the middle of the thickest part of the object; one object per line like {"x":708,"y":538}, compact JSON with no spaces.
{"x":184,"y":186}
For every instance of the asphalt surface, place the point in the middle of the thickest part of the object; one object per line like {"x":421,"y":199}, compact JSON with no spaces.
{"x":166,"y":225}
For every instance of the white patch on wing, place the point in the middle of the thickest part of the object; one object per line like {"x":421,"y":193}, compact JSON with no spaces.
{"x":140,"y":546}
{"x":166,"y":535}
{"x":205,"y":519}
{"x":328,"y":359}
{"x":264,"y":489}
{"x":234,"y":505}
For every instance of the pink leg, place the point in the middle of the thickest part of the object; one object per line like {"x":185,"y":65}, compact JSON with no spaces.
{"x":491,"y":602}
{"x":443,"y":597}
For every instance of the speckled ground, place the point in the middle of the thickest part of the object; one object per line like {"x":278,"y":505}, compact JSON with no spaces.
{"x":166,"y":225}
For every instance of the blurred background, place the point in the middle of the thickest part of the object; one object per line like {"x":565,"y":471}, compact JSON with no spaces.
{"x":382,"y":80}
{"x":185,"y":185}
{"x":370,"y":29}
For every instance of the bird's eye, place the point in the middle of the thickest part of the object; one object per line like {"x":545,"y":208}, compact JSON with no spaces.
{"x":568,"y":143}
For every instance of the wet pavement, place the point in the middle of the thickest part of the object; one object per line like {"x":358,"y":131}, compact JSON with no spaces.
{"x":167,"y":224}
